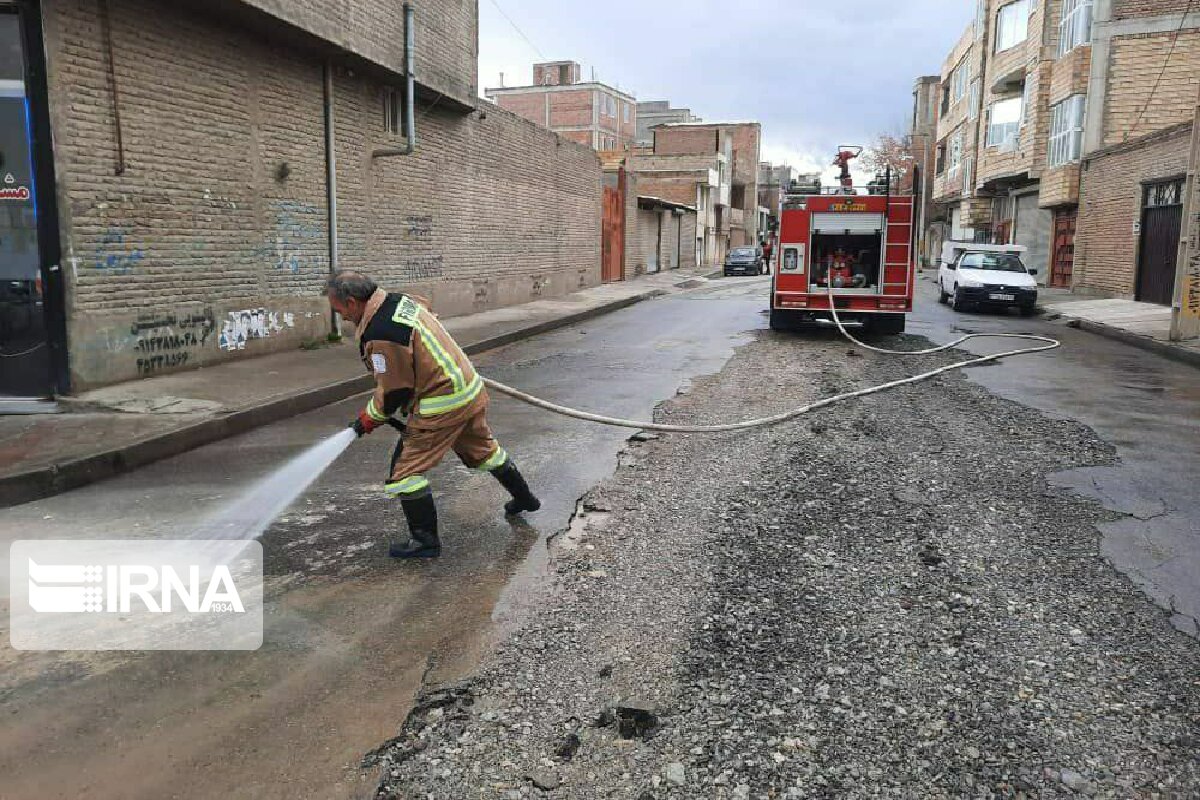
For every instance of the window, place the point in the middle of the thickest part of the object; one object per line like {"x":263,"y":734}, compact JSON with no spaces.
{"x":1075,"y":29}
{"x":1012,"y":25}
{"x":1066,"y":130}
{"x":973,"y":102}
{"x":955,"y":154}
{"x":392,"y":111}
{"x":1169,"y":193}
{"x":1004,"y":122}
{"x":940,"y":167}
{"x":626,"y":109}
{"x":960,"y":80}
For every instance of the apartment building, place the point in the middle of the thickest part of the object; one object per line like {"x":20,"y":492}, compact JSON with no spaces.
{"x":1007,"y":159}
{"x":588,"y":112}
{"x":741,"y":144}
{"x":658,"y":112}
{"x":699,"y":180}
{"x":1136,"y":130}
{"x":180,"y":179}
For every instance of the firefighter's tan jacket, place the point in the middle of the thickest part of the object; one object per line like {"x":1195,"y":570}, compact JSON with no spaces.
{"x":419,"y":369}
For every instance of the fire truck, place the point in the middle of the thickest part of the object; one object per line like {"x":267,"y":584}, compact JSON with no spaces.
{"x":861,"y":245}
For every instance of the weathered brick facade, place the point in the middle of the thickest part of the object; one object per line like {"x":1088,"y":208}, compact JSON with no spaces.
{"x":447,"y":33}
{"x":589,"y":113}
{"x":1106,"y":244}
{"x":1137,"y":62}
{"x":213,"y":243}
{"x":1132,"y":9}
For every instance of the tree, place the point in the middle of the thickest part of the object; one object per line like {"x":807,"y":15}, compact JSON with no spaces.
{"x":891,"y":151}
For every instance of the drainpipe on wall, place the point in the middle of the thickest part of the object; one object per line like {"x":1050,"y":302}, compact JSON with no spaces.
{"x":331,"y":185}
{"x":410,"y":122}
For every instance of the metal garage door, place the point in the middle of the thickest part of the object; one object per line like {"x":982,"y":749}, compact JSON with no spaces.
{"x":1162,"y":223}
{"x":847,"y":223}
{"x":1033,"y":227}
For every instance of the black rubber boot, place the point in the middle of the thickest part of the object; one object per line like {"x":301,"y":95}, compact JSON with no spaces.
{"x":523,"y":500}
{"x":422,"y":529}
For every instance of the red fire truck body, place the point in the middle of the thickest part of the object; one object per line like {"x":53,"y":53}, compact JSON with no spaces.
{"x":862,"y":244}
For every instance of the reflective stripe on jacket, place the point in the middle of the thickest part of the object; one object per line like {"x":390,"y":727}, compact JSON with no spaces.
{"x":419,"y":369}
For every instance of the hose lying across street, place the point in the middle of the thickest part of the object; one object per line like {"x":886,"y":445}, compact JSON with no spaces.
{"x":1047,"y":344}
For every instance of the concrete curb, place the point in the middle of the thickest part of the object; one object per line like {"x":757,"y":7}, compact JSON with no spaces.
{"x":35,"y":484}
{"x":1164,"y":349}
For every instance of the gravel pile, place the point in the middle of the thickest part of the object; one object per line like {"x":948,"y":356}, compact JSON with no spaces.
{"x":883,"y":599}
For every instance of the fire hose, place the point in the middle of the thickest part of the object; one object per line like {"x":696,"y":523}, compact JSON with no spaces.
{"x":1046,"y":344}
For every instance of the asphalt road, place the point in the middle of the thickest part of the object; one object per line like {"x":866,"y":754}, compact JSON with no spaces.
{"x":351,"y":636}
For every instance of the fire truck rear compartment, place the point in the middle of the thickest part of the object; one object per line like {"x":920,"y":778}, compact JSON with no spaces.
{"x":863,"y":252}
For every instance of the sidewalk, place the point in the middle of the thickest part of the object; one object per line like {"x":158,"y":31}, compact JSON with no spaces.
{"x":1143,"y":325}
{"x":119,"y":428}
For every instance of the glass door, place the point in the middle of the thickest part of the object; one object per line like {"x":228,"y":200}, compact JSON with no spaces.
{"x":24,"y":355}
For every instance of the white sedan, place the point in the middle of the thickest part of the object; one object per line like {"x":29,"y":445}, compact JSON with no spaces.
{"x":987,"y":278}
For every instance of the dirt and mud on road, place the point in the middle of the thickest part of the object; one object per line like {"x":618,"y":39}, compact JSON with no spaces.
{"x":887,"y":598}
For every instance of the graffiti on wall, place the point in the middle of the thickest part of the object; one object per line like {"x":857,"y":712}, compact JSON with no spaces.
{"x":418,"y":228}
{"x":165,"y":340}
{"x":116,"y":254}
{"x":421,"y":268}
{"x":299,"y":237}
{"x":241,"y":327}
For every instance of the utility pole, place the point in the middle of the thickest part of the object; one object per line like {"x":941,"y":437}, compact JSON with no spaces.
{"x":1185,"y":309}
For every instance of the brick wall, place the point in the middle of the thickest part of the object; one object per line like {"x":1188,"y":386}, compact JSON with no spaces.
{"x":1136,"y":63}
{"x":213,"y":244}
{"x":1128,"y":9}
{"x":571,"y":109}
{"x":1110,"y":204}
{"x":686,"y":140}
{"x":447,"y":34}
{"x":1070,"y":74}
{"x":530,"y":106}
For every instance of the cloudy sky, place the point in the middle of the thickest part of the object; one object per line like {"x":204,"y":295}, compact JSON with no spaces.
{"x":815,"y":73}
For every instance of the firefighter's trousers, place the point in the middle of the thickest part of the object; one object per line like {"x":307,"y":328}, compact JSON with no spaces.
{"x":421,"y":448}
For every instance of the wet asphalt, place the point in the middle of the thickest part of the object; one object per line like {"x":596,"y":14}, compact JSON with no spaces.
{"x":352,"y":636}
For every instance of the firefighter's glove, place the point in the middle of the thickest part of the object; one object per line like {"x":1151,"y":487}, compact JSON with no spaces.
{"x":364,"y":424}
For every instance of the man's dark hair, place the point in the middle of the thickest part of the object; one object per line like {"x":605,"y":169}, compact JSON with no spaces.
{"x":349,"y":283}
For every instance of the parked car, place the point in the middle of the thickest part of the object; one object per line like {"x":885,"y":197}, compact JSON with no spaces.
{"x":987,"y":275}
{"x":745,"y":261}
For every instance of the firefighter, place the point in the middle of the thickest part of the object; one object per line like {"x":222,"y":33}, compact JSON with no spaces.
{"x":420,"y":372}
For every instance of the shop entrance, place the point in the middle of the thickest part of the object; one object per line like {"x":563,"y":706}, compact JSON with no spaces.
{"x":26,"y":363}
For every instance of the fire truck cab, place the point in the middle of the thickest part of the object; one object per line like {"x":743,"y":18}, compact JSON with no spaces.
{"x":861,"y":244}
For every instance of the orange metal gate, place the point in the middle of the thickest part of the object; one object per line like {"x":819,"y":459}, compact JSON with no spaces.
{"x":612,"y":242}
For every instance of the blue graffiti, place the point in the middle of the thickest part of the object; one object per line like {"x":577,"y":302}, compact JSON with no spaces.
{"x":299,"y":237}
{"x":114,"y":255}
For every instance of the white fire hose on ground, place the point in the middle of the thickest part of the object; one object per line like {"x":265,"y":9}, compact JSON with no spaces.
{"x":1047,"y":344}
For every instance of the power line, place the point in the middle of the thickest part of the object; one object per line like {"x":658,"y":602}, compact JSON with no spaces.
{"x":1162,"y":72}
{"x":518,"y":30}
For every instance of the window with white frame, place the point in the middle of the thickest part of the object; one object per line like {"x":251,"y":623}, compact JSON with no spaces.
{"x":960,"y":81}
{"x":955,"y":156}
{"x":1004,"y":122}
{"x":1066,"y":130}
{"x":626,"y":109}
{"x":1075,"y":28}
{"x":1012,"y":25}
{"x":611,"y":102}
